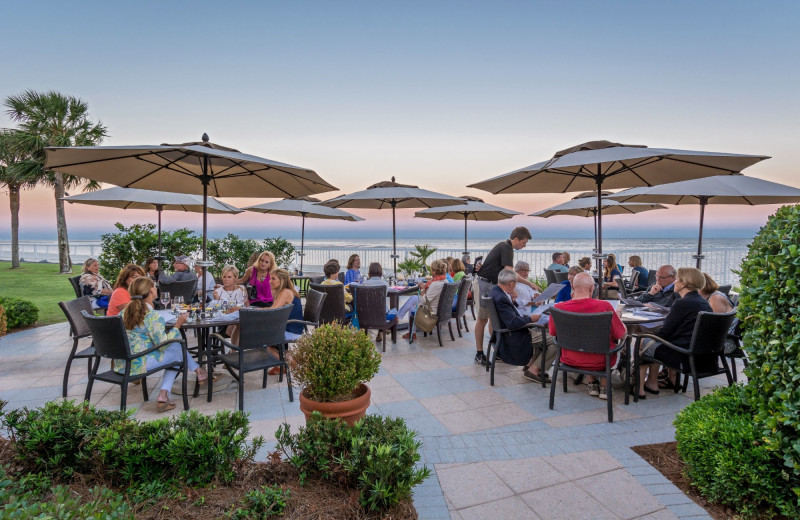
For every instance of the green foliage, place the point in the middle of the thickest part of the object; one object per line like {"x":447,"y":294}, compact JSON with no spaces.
{"x":136,"y":243}
{"x":333,"y":360}
{"x":18,"y":312}
{"x":409,"y":266}
{"x":422,"y":253}
{"x":721,"y":444}
{"x":3,"y":321}
{"x":769,"y":307}
{"x":282,"y":249}
{"x":262,"y":503}
{"x":378,"y":456}
{"x":40,"y":283}
{"x":233,"y":250}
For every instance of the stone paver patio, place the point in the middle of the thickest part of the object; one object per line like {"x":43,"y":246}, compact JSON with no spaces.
{"x":494,"y":452}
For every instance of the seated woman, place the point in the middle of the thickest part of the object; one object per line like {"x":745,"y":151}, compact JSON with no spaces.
{"x":677,"y":329}
{"x":93,"y":284}
{"x":331,"y":271}
{"x":610,"y":274}
{"x":210,"y":284}
{"x":585,"y":263}
{"x":120,"y":298}
{"x":258,"y":277}
{"x":146,"y":328}
{"x":565,"y":294}
{"x":151,"y":269}
{"x":285,"y":294}
{"x":431,"y":291}
{"x":636,"y":264}
{"x":232,"y":293}
{"x":716,"y":298}
{"x":353,"y":275}
{"x":457,"y":270}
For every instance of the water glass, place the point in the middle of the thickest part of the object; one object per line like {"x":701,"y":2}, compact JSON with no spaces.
{"x":165,"y":299}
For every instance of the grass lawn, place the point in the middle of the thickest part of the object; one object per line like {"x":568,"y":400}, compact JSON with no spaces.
{"x":40,"y":284}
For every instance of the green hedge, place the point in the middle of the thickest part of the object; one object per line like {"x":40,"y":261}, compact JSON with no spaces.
{"x":721,"y":444}
{"x":19,"y":312}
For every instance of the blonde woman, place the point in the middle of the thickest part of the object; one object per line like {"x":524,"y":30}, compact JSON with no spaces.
{"x":431,"y":291}
{"x":635,"y":263}
{"x":257,"y":276}
{"x":234,"y":294}
{"x":716,"y":298}
{"x":286,"y":294}
{"x":93,"y":284}
{"x":146,"y":328}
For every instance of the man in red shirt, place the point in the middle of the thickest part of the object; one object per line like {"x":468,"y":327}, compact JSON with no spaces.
{"x":582,"y":301}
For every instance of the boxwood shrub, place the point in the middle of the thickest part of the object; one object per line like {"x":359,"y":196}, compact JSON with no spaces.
{"x":19,"y":312}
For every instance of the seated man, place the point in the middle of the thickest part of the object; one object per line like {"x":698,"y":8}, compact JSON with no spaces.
{"x":182,"y":272}
{"x":558,"y":262}
{"x":524,"y":295}
{"x":662,"y":292}
{"x":518,"y":345}
{"x":582,"y":301}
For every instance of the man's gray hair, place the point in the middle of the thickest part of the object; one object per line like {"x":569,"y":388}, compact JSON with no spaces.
{"x":465,"y":259}
{"x":669,"y":268}
{"x":506,"y":276}
{"x":522,"y":266}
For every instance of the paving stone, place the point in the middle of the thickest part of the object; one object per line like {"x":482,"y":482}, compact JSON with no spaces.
{"x":567,"y":500}
{"x":529,"y":474}
{"x":472,"y":484}
{"x":683,"y":510}
{"x":584,"y":464}
{"x":617,"y":487}
{"x":513,"y":508}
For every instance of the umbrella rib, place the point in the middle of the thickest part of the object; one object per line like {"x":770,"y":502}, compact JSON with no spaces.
{"x":132,"y":156}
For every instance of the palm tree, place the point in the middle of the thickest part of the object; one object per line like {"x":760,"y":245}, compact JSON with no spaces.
{"x":9,"y":156}
{"x":422,"y":253}
{"x":51,"y":119}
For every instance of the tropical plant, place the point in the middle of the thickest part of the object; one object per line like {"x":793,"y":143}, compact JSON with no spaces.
{"x":51,"y":119}
{"x":10,"y":156}
{"x":422,"y":253}
{"x":409,"y":266}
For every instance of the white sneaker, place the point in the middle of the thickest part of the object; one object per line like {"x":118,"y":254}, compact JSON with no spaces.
{"x":594,"y":389}
{"x":602,"y":394}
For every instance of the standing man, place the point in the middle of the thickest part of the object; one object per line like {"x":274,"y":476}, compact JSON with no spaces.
{"x":500,"y":257}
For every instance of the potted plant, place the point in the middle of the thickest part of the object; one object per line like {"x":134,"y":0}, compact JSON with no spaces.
{"x":332,"y":364}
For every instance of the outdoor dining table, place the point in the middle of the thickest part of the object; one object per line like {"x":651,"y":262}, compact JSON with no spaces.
{"x":637,"y":320}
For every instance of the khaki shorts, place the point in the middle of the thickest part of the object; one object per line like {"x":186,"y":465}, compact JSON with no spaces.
{"x":481,"y":287}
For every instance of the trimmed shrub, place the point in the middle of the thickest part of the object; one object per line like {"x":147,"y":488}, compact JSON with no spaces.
{"x":18,"y":312}
{"x":261,"y":503}
{"x":378,"y":456}
{"x":769,"y":307}
{"x":3,"y":321}
{"x":719,"y":441}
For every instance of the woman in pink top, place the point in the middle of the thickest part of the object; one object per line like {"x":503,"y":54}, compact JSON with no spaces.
{"x":257,"y":277}
{"x":120,"y":298}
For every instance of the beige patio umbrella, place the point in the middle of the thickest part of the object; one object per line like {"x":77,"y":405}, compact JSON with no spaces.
{"x":724,"y":189}
{"x":475,"y":209}
{"x":602,"y":164}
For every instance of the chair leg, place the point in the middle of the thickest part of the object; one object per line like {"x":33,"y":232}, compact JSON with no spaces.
{"x":733,"y":369}
{"x":385,"y":333}
{"x":458,"y":326}
{"x":609,"y":396}
{"x":241,"y":390}
{"x":553,"y":383}
{"x":450,"y":327}
{"x":144,"y":389}
{"x":544,"y":360}
{"x":264,"y":383}
{"x":69,"y":364}
{"x":727,"y":371}
{"x":491,"y":361}
{"x":289,"y":381}
{"x":439,"y":333}
{"x":123,"y":401}
{"x":472,"y":310}
{"x":184,"y":388}
{"x":464,"y":317}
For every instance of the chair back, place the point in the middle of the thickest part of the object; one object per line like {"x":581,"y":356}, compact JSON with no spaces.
{"x":72,"y":310}
{"x":561,"y":276}
{"x":76,"y":286}
{"x":109,"y":336}
{"x":550,"y":276}
{"x":313,"y":308}
{"x":582,"y":332}
{"x":370,"y":306}
{"x":461,"y":296}
{"x":445,"y":308}
{"x":183,"y":288}
{"x":725,"y":289}
{"x":651,"y":277}
{"x":263,"y":327}
{"x":494,"y":318}
{"x":317,"y":279}
{"x":333,"y":306}
{"x":341,"y":277}
{"x":710,"y":331}
{"x":622,"y":291}
{"x":633,"y":282}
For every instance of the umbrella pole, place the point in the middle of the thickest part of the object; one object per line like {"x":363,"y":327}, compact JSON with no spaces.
{"x":394,"y":240}
{"x":466,"y":252}
{"x":594,"y":218}
{"x":205,"y":181}
{"x":699,"y":256}
{"x":599,"y":254}
{"x":302,"y":242}
{"x":159,"y":207}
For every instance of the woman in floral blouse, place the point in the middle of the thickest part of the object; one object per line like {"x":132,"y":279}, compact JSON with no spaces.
{"x":146,"y":328}
{"x":94,"y":285}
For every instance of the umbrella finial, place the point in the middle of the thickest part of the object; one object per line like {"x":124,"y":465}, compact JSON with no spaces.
{"x":392,"y":178}
{"x":205,"y":137}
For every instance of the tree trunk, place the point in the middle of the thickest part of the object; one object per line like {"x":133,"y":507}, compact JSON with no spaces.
{"x":13,"y":197}
{"x":65,"y":262}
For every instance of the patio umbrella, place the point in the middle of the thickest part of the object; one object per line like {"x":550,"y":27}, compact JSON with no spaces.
{"x":475,"y":209}
{"x":390,"y":194}
{"x":305,"y":207}
{"x":199,"y":167}
{"x":130,"y":198}
{"x":585,"y":205}
{"x":602,"y":164}
{"x":724,"y":189}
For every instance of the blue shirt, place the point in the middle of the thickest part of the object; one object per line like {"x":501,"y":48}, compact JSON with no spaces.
{"x":641,"y":283}
{"x":353,"y":275}
{"x":558,"y":267}
{"x":565,"y":294}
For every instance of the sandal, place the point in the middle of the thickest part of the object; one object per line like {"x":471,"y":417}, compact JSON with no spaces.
{"x":204,"y":381}
{"x":406,"y":336}
{"x":651,"y":391}
{"x":163,"y":406}
{"x":666,"y":385}
{"x":274,"y":371}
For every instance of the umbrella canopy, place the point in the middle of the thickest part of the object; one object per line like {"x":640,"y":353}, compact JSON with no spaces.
{"x":390,"y":194}
{"x":723,"y":189}
{"x":602,"y":164}
{"x":130,"y":198}
{"x":475,"y":209}
{"x":199,"y":167}
{"x":303,"y":207}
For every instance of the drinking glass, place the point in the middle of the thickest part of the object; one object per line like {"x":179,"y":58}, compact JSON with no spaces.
{"x":179,"y":300}
{"x":165,"y":299}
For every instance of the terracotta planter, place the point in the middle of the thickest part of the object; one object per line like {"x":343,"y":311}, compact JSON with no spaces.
{"x":350,"y":411}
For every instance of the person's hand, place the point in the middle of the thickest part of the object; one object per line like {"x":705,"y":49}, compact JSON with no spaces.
{"x":181,"y":319}
{"x":514,"y":295}
{"x":106,"y":292}
{"x":655,"y":289}
{"x":421,"y":285}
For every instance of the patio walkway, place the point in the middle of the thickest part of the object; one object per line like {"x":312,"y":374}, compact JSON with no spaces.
{"x":495,"y":452}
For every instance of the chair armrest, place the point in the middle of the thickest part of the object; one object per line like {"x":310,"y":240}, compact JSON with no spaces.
{"x":224,"y":341}
{"x":156,"y":347}
{"x":620,"y":345}
{"x":303,"y":322}
{"x":663,"y":342}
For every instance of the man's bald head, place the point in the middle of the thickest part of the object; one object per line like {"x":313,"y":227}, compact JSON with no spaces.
{"x":582,"y":285}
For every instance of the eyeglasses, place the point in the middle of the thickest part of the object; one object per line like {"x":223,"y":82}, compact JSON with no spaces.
{"x":524,"y":270}
{"x":665,"y":277}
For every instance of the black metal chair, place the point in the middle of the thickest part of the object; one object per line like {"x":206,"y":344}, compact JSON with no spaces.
{"x":471,"y":299}
{"x":725,"y":289}
{"x":498,"y":335}
{"x":633,"y":282}
{"x":183,"y":288}
{"x":371,"y":310}
{"x":111,"y":341}
{"x":550,"y":276}
{"x":651,"y":277}
{"x":258,"y":330}
{"x":333,"y":309}
{"x":733,"y":347}
{"x":708,"y":338}
{"x":460,"y":312}
{"x":444,"y":311}
{"x":78,"y":330}
{"x":312,"y":309}
{"x":561,"y":276}
{"x":588,"y":333}
{"x":622,"y":290}
{"x":76,"y":286}
{"x":341,"y":277}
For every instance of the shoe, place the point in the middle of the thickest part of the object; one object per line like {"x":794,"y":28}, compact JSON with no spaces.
{"x":536,"y":378}
{"x":379,"y":336}
{"x":642,"y":396}
{"x":650,"y":391}
{"x":480,"y":358}
{"x":665,"y":384}
{"x":274,"y":371}
{"x":407,"y":334}
{"x":163,"y":406}
{"x":602,"y":394}
{"x":594,"y":389}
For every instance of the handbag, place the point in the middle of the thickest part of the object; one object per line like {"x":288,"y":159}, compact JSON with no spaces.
{"x":424,"y":319}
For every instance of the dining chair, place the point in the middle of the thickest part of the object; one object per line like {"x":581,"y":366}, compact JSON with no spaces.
{"x":460,"y":310}
{"x":444,"y":312}
{"x":185,"y":288}
{"x":312,"y":309}
{"x":79,"y":330}
{"x":550,"y":276}
{"x":76,"y":286}
{"x":333,"y":309}
{"x":371,"y":310}
{"x":561,"y":276}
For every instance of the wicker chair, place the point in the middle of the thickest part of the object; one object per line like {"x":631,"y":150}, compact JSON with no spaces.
{"x":550,"y":276}
{"x":710,"y":331}
{"x":183,"y":288}
{"x":76,"y":286}
{"x":561,"y":276}
{"x":333,"y":309}
{"x":259,"y":329}
{"x":460,"y":312}
{"x":588,"y":333}
{"x":78,"y":330}
{"x":371,"y":310}
{"x":445,"y":310}
{"x":312,"y":309}
{"x":110,"y":341}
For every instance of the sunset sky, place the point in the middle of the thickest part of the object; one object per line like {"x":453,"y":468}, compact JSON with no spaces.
{"x":440,"y":94}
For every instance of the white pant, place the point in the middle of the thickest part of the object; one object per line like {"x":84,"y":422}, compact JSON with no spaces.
{"x":172,"y":353}
{"x":411,"y":303}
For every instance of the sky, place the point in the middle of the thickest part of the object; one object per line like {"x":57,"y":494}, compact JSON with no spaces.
{"x":439,"y":94}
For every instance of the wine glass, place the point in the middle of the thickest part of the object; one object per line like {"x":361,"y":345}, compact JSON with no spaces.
{"x":179,"y":301}
{"x":165,"y":299}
